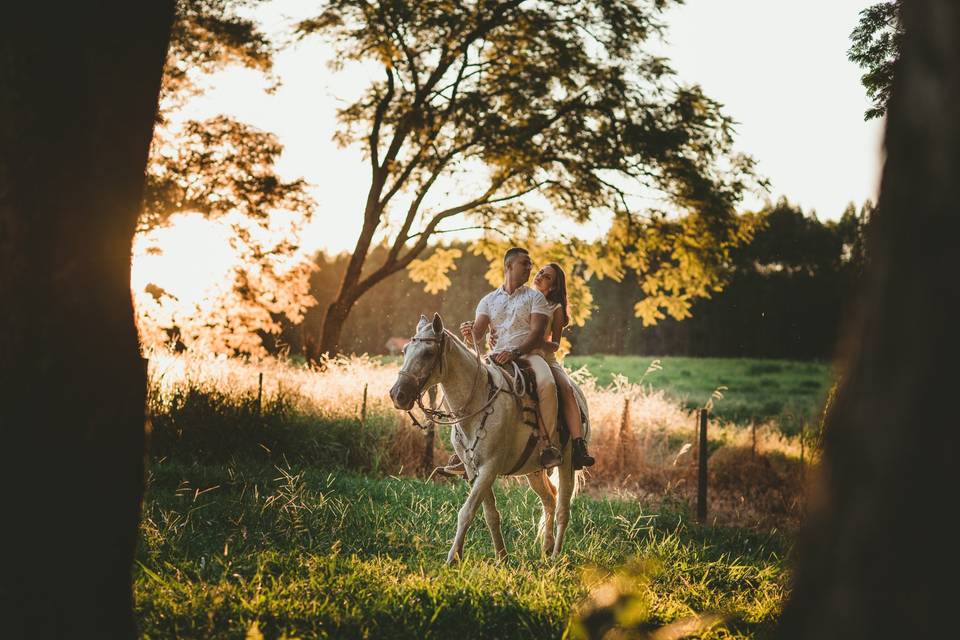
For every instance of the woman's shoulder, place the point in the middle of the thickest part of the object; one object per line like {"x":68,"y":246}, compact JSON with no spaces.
{"x":533,"y":292}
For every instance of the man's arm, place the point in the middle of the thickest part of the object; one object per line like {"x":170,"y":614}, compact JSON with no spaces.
{"x":476,"y":330}
{"x":538,"y":327}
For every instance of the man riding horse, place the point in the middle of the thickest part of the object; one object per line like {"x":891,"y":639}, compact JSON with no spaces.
{"x":520,"y":317}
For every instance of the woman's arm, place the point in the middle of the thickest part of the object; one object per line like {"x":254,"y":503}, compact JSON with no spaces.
{"x":554,"y":343}
{"x":558,"y":325}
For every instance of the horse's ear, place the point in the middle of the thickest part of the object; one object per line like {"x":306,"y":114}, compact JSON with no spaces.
{"x":437,"y":324}
{"x":423,"y":321}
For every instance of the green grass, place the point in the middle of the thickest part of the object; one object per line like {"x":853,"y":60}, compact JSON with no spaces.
{"x":756,"y":389}
{"x":303,"y":552}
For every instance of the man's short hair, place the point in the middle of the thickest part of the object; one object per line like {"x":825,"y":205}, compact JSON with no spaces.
{"x":512,"y":253}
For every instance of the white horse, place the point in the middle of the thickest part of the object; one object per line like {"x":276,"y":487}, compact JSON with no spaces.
{"x":489,"y":433}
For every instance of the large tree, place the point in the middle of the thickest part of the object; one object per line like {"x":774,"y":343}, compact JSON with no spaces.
{"x":78,"y":101}
{"x":518,"y":108}
{"x":876,"y":558}
{"x":208,"y":36}
{"x":875,"y":47}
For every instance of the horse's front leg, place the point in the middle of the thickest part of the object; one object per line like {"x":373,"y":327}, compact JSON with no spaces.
{"x":481,"y":486}
{"x":492,"y":516}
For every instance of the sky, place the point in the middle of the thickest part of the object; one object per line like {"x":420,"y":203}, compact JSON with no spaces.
{"x":779,"y":67}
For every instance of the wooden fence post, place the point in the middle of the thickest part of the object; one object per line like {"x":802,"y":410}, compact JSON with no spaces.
{"x":260,"y":393}
{"x":702,"y":470}
{"x":363,"y":409}
{"x":625,"y":436}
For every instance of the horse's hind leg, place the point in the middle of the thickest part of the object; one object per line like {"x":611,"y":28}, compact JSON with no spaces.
{"x":563,"y":499}
{"x":541,"y":484}
{"x":492,"y":516}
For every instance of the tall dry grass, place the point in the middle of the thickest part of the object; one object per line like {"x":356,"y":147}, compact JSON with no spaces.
{"x":645,"y":444}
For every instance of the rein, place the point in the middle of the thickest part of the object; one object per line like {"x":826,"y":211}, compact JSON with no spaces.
{"x":456,"y":418}
{"x":438,"y":416}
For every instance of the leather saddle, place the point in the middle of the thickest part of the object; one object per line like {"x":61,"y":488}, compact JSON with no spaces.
{"x":530,"y":403}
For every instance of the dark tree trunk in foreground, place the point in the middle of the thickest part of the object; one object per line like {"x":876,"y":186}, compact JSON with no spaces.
{"x":78,"y":96}
{"x":878,"y":557}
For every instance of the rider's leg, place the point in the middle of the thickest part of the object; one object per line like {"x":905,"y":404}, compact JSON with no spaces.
{"x":568,"y":403}
{"x":547,"y":394}
{"x":571,"y":413}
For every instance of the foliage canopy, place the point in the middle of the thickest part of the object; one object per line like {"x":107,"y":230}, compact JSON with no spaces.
{"x":531,"y":108}
{"x":225,"y":170}
{"x":876,"y":44}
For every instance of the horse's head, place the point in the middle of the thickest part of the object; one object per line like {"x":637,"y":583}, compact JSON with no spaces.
{"x":422,"y":363}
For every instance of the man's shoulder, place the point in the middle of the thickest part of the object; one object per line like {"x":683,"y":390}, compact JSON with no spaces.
{"x":486,"y":300}
{"x":491,"y":295}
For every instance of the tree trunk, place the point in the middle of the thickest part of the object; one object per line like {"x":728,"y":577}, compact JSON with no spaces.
{"x":79,"y":84}
{"x":877,"y":556}
{"x":333,"y":322}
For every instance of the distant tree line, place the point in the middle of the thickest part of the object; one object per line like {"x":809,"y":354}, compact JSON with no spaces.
{"x":784,"y":297}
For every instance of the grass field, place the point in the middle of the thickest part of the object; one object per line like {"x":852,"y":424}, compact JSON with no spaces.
{"x":297,"y":510}
{"x":782,"y":390}
{"x":244,"y":549}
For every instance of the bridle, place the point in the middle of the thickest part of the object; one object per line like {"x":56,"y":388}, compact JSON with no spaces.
{"x":438,"y":416}
{"x":440,"y":341}
{"x":456,"y":418}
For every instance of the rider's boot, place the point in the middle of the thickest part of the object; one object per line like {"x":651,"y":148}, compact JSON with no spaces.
{"x":581,"y":458}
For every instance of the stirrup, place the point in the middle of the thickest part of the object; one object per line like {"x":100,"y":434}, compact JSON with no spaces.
{"x":550,"y":457}
{"x":455,"y":466}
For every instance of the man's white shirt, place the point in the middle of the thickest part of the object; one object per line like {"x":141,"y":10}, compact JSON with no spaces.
{"x":510,"y":313}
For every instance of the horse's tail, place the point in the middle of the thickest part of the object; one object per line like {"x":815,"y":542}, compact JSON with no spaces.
{"x":577,"y":483}
{"x":578,"y":476}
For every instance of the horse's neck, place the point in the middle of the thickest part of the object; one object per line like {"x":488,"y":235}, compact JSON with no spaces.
{"x":462,"y":383}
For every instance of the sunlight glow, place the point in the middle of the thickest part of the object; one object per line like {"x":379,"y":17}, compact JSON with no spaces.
{"x":190,"y":259}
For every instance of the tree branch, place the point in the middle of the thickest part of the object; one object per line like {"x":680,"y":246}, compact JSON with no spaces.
{"x":378,"y":122}
{"x":437,"y":127}
{"x":473,"y":228}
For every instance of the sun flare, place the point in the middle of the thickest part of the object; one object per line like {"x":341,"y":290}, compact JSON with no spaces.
{"x":189,"y":260}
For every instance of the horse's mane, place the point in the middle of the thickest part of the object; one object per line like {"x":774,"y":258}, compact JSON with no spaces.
{"x":458,"y":339}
